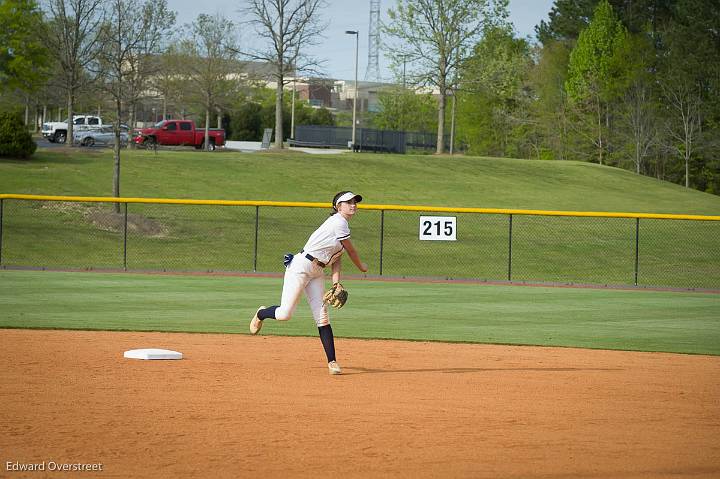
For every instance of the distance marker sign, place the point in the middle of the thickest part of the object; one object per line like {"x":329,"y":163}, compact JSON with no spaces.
{"x":438,"y":228}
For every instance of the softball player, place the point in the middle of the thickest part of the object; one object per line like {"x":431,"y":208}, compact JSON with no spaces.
{"x":305,"y":273}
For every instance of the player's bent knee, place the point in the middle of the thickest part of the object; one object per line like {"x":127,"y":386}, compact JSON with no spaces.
{"x":321,"y":317}
{"x":283,"y":315}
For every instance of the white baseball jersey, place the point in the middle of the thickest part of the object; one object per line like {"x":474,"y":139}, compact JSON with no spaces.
{"x":324,"y":244}
{"x":303,"y":275}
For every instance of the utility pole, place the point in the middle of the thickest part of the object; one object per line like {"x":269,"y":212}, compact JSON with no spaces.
{"x":452,"y":123}
{"x":292,"y":114}
{"x":357,"y":36}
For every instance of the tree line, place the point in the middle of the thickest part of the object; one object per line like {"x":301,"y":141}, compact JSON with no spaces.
{"x":83,"y":55}
{"x":626,"y":84}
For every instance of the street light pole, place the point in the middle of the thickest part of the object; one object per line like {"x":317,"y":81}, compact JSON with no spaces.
{"x":292,"y":116}
{"x":357,"y":39}
{"x":404,"y":58}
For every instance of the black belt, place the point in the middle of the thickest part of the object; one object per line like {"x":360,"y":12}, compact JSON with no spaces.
{"x":313,"y":259}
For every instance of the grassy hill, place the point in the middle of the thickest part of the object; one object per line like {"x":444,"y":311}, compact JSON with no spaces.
{"x":382,"y":179}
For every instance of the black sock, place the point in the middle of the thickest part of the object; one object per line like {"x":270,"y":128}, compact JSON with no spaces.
{"x":267,"y":313}
{"x":328,"y":341}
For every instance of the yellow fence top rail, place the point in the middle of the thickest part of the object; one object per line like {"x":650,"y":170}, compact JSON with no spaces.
{"x":428,"y":209}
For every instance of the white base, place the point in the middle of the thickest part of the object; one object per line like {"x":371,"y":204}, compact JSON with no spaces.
{"x":152,"y":354}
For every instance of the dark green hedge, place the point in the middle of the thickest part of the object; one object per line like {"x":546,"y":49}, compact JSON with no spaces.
{"x":15,"y":140}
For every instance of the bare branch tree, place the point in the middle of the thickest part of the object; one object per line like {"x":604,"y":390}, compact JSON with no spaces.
{"x":638,"y":116}
{"x":157,"y":21}
{"x":287,"y":26}
{"x":131,"y":33}
{"x":167,"y":82}
{"x":73,"y":37}
{"x":210,"y":52}
{"x":685,"y":103}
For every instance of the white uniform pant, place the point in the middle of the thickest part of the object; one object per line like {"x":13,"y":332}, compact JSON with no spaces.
{"x":303,"y":275}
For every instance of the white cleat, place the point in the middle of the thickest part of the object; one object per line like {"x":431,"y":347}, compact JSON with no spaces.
{"x":334,"y":368}
{"x":256,"y":323}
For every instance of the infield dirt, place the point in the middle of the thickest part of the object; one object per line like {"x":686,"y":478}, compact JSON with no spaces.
{"x":242,"y":406}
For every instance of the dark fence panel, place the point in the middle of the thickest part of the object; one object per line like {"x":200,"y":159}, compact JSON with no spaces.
{"x":366,"y":139}
{"x":323,"y":136}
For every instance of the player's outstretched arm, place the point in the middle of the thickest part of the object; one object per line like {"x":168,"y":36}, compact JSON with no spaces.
{"x":336,"y":268}
{"x":347,"y":244}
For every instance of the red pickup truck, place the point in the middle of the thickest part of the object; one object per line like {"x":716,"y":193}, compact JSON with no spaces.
{"x":179,"y":132}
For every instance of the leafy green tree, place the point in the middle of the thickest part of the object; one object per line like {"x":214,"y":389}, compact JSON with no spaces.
{"x":567,"y":18}
{"x":246,"y":122}
{"x":24,"y":59}
{"x":322,"y":116}
{"x":15,"y":140}
{"x":595,"y":68}
{"x":343,"y":118}
{"x":269,"y":111}
{"x":492,"y":81}
{"x":659,"y":103}
{"x":406,"y":110}
{"x":636,"y":107}
{"x":546,"y":81}
{"x":253,"y":114}
{"x":498,"y":64}
{"x":646,"y":20}
{"x":690,"y":79}
{"x":435,"y":37}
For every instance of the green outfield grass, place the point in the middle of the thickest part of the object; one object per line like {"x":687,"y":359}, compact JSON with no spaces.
{"x":680,"y":322}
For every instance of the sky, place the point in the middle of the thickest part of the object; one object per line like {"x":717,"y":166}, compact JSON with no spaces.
{"x":338,"y":49}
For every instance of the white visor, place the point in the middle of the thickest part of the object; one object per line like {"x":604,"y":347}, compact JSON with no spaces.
{"x":347,"y":197}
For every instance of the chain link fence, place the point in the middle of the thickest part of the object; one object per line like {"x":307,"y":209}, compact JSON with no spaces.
{"x":491,"y":245}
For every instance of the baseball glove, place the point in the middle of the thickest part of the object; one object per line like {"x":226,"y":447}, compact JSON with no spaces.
{"x":336,"y":296}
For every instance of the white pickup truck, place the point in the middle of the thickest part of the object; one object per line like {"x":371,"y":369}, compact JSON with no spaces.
{"x":56,"y":131}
